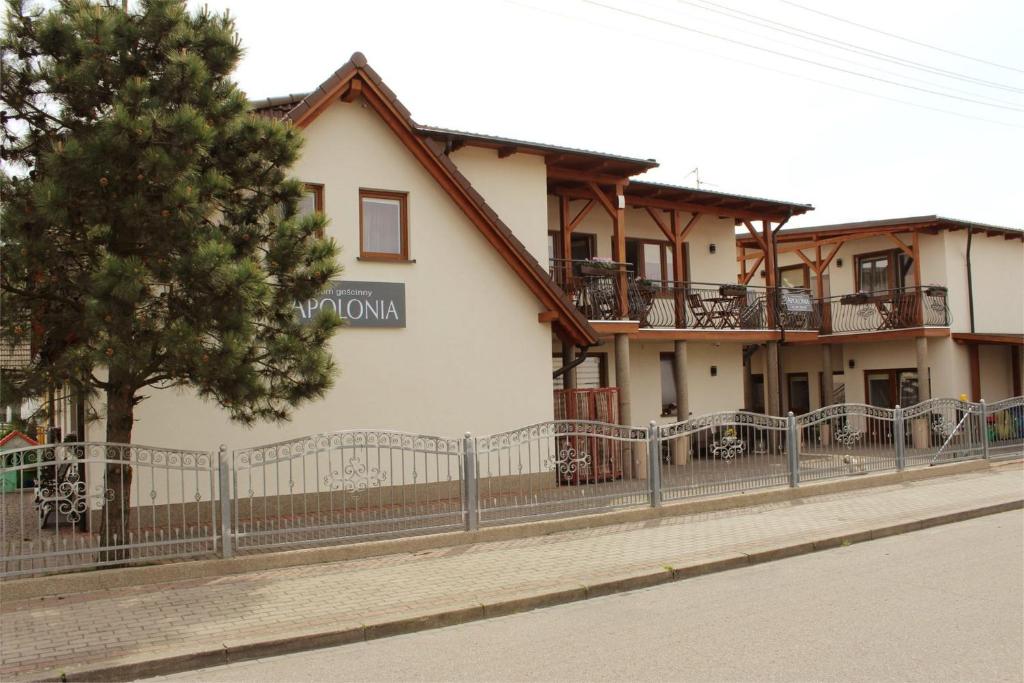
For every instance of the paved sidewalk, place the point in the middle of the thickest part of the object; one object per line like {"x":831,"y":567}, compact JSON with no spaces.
{"x":130,"y":625}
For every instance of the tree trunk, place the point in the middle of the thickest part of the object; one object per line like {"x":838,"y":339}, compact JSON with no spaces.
{"x":115,"y":522}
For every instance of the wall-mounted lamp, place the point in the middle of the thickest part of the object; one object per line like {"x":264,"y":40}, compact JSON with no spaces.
{"x":763,"y":274}
{"x":852,"y":363}
{"x":712,"y":248}
{"x":839,"y":263}
{"x":714,"y":371}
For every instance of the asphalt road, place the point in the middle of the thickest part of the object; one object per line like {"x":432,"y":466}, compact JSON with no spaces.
{"x":944,"y":604}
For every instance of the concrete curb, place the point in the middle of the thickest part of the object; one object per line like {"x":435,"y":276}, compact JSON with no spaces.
{"x":137,"y":667}
{"x":107,"y":579}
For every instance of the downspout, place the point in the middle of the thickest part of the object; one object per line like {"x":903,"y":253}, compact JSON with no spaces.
{"x":970,"y":283}
{"x":584,"y":349}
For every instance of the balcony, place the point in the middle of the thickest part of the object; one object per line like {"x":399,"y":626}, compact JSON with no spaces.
{"x":891,"y":309}
{"x":595,"y":288}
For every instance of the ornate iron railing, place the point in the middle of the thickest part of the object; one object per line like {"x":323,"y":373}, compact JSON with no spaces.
{"x":594,"y":287}
{"x":890,"y":309}
{"x":60,"y":510}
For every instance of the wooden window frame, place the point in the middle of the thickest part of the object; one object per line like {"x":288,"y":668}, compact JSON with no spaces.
{"x":403,"y":199}
{"x":797,"y":266}
{"x":666,"y":249}
{"x":317,"y":190}
{"x":894,"y":276}
{"x":591,"y":238}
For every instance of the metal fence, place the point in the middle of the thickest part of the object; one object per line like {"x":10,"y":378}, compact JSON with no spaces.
{"x":344,"y":486}
{"x":74,"y":506}
{"x":77,"y":505}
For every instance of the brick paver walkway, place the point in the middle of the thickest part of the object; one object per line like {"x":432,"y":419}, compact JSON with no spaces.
{"x":170,"y":619}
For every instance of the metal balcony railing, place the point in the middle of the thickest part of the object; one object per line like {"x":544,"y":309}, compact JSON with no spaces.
{"x":594,"y":287}
{"x":891,"y":309}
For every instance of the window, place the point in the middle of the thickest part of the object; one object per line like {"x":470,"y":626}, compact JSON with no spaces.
{"x":383,"y":226}
{"x":651,"y":259}
{"x":312,"y":201}
{"x":583,"y":246}
{"x":880,"y":271}
{"x":796,"y":277}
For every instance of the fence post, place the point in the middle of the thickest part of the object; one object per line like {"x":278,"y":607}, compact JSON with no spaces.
{"x":470,"y":483}
{"x":899,"y":438}
{"x":224,"y":489}
{"x":654,"y":463}
{"x":984,"y":430}
{"x":792,"y":450}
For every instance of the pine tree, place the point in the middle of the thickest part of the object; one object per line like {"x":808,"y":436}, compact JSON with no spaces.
{"x":150,"y":232}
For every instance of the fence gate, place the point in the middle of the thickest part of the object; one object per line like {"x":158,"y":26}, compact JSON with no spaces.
{"x":722,"y":452}
{"x":846,"y":439}
{"x":560,"y":467}
{"x":347,"y":485}
{"x":942,"y":430}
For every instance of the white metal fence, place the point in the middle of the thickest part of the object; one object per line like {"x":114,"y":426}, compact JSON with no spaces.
{"x":62,"y":504}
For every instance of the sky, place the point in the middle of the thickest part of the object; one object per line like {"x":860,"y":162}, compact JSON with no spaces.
{"x":700,"y":84}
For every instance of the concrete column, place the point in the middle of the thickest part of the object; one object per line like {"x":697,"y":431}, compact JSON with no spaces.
{"x":923,"y":392}
{"x":622,"y":380}
{"x":568,"y":356}
{"x":682,"y":393}
{"x":634,"y":459}
{"x":680,"y":445}
{"x":772,"y":380}
{"x":827,"y":387}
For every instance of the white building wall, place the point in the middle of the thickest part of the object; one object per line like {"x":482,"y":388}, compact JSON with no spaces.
{"x":516,"y":188}
{"x":472,"y":357}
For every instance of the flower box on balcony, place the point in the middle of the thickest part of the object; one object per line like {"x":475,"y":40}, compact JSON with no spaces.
{"x":854,"y":299}
{"x":935,"y":290}
{"x":732,"y":290}
{"x":598,"y":267}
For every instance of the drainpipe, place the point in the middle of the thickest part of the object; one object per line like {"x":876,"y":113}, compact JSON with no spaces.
{"x":970,"y":284}
{"x":582,"y":356}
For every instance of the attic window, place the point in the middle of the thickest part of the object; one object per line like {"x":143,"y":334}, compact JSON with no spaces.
{"x":383,"y":225}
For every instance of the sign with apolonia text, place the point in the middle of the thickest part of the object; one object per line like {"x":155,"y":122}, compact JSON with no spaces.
{"x":361,"y":304}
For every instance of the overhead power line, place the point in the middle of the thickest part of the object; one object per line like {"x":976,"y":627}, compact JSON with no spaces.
{"x":907,"y":77}
{"x":904,"y":38}
{"x":844,"y":45}
{"x":764,"y":67}
{"x":779,"y":53}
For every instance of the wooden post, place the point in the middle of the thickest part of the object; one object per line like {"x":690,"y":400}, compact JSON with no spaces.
{"x":619,"y":236}
{"x":565,"y":233}
{"x":769,"y":278}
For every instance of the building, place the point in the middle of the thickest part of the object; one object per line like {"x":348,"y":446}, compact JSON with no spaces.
{"x":899,"y":300}
{"x":481,"y":271}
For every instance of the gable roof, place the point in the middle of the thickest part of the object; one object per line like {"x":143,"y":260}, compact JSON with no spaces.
{"x":356,"y":79}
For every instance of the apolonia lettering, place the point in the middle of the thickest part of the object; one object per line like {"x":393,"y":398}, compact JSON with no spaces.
{"x":361,"y":304}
